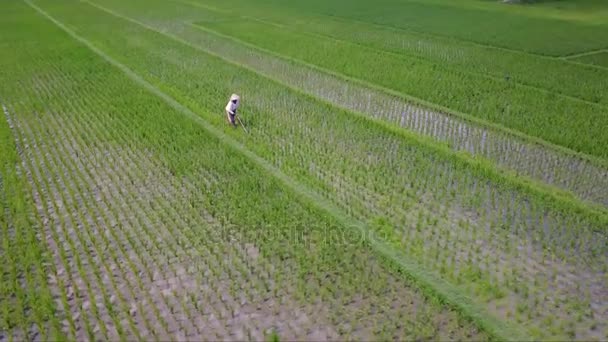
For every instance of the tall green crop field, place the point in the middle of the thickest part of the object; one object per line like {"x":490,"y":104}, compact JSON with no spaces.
{"x":407,"y":170}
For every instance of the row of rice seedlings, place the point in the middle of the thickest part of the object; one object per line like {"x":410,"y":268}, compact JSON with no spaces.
{"x":76,"y":294}
{"x":105,"y":252}
{"x":125,"y":275}
{"x":94,"y":245}
{"x":143,"y":221}
{"x":143,"y":288}
{"x":130,"y":175}
{"x":50,"y":236}
{"x":72,"y":293}
{"x":26,"y":305}
{"x":13,"y":302}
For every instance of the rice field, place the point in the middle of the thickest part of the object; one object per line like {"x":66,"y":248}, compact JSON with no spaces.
{"x":399,"y":179}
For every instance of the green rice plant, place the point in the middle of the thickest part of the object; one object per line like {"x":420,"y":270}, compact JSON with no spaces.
{"x":364,"y":170}
{"x":376,"y":187}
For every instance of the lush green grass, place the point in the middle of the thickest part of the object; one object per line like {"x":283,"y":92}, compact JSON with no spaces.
{"x":492,"y":25}
{"x":553,"y":75}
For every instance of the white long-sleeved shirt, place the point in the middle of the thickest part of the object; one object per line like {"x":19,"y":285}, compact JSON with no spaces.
{"x":231,"y":107}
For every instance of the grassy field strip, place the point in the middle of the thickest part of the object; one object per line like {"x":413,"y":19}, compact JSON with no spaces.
{"x":437,"y":285}
{"x":449,"y":21}
{"x":498,"y":50}
{"x":449,"y":55}
{"x":515,"y":150}
{"x":420,"y":43}
{"x":544,"y":115}
{"x":590,"y":12}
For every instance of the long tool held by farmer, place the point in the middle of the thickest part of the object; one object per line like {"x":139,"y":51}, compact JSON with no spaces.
{"x":231,"y":107}
{"x":242,"y":124}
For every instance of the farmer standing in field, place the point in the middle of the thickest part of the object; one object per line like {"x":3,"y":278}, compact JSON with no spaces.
{"x":231,"y":107}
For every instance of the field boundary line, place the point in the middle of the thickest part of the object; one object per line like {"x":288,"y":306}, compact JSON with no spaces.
{"x":396,"y":55}
{"x":598,"y":161}
{"x":586,"y":64}
{"x":429,"y":283}
{"x":485,"y":166}
{"x":582,"y":54}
